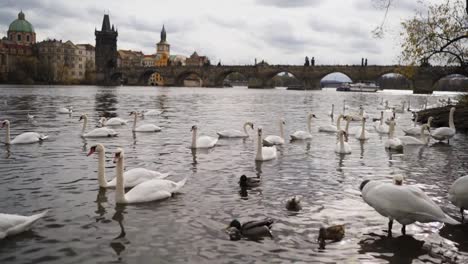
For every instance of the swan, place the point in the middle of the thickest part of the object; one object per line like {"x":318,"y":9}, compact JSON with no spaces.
{"x":360,"y":115}
{"x":264,"y":153}
{"x":392,"y":141}
{"x":12,"y":224}
{"x":232,"y":133}
{"x":458,"y":194}
{"x":151,"y":112}
{"x":144,"y":127}
{"x":445,"y":133}
{"x":301,"y":135}
{"x":65,"y":110}
{"x":152,"y":190}
{"x":403,"y":203}
{"x":382,"y":106}
{"x":132,"y":177}
{"x":363,"y":134}
{"x":409,"y":140}
{"x":379,"y":126}
{"x":115,"y":121}
{"x":342,"y":146}
{"x":202,"y":141}
{"x":400,"y":108}
{"x":417,"y":129}
{"x":276,"y":140}
{"x":98,"y":132}
{"x":23,"y":138}
{"x":332,"y":112}
{"x":331,"y":128}
{"x":345,"y":106}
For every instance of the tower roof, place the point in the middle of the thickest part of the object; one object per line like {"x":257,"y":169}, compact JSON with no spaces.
{"x":21,"y":24}
{"x":106,"y":26}
{"x":163,"y":35}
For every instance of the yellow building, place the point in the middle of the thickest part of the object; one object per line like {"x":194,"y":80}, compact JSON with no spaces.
{"x":156,"y":80}
{"x":162,"y":50}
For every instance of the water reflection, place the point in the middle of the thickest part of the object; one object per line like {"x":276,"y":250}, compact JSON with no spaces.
{"x":402,"y":249}
{"x":100,"y":199}
{"x":106,"y":103}
{"x":119,"y":242}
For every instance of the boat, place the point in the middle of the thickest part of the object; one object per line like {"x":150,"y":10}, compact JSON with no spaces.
{"x":358,"y":87}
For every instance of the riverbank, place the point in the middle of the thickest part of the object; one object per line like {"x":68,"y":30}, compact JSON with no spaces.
{"x":441,"y":117}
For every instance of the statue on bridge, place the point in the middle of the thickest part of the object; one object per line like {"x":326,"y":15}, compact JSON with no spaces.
{"x":306,"y":61}
{"x":313,"y":61}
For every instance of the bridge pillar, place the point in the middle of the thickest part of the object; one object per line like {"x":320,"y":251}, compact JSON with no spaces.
{"x":311,"y":84}
{"x":422,"y":86}
{"x":258,"y":83}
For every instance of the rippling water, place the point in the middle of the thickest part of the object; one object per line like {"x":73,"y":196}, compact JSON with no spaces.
{"x":85,"y":226}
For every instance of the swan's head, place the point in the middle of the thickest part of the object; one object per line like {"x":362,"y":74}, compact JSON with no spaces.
{"x":133,"y":113}
{"x":251,"y":125}
{"x":118,"y":155}
{"x":259,"y":131}
{"x":398,"y":179}
{"x":5,"y":123}
{"x":363,"y":184}
{"x":427,"y":127}
{"x":84,"y":116}
{"x":95,"y":148}
{"x":194,"y":128}
{"x":311,"y":115}
{"x":283,"y":121}
{"x":452,"y":109}
{"x":429,"y":120}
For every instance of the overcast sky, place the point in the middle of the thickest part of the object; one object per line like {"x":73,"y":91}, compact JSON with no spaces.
{"x":235,"y":32}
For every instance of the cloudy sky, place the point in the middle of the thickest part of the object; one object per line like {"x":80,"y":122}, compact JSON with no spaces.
{"x":235,"y":32}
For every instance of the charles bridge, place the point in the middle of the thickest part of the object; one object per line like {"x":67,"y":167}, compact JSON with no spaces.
{"x":260,"y":76}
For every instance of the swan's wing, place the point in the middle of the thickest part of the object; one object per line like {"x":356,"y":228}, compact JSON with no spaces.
{"x":101,"y":132}
{"x":458,"y":193}
{"x":327,"y":128}
{"x":230,"y":133}
{"x":301,"y":135}
{"x":153,"y":190}
{"x":136,"y":176}
{"x":273,"y":140}
{"x":408,"y":140}
{"x":27,"y":137}
{"x":443,"y":133}
{"x":11,"y":224}
{"x":206,"y":142}
{"x":268,"y":153}
{"x":148,"y":128}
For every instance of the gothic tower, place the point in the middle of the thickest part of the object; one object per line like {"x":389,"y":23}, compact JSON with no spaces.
{"x":162,"y":50}
{"x":106,"y":52}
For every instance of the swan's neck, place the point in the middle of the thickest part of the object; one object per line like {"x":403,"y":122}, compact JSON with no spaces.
{"x":338,"y":123}
{"x":381,"y":118}
{"x":7,"y":139}
{"x":423,"y":136}
{"x":403,"y":106}
{"x":135,"y":121}
{"x":363,"y":129}
{"x":120,"y":188}
{"x":245,"y":129}
{"x":341,"y":142}
{"x":85,"y":123}
{"x":281,"y":129}
{"x":259,"y":148}
{"x":333,"y":109}
{"x":309,"y":121}
{"x":415,"y":119}
{"x":361,"y":112}
{"x":194,"y":138}
{"x":386,"y":104}
{"x":391,"y":130}
{"x":429,"y":121}
{"x":102,"y":169}
{"x":451,"y":123}
{"x":347,"y":125}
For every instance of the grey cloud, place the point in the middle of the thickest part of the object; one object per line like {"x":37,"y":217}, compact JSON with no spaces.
{"x":349,"y":29}
{"x":290,"y":3}
{"x":225,"y":23}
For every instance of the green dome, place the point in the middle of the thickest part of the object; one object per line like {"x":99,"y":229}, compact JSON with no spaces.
{"x":21,"y":24}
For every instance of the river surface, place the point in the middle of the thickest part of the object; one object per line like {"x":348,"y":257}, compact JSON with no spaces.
{"x":84,"y":225}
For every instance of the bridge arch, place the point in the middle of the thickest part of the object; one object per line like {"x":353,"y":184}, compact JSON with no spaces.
{"x":152,"y":77}
{"x":119,"y":78}
{"x":334,"y":79}
{"x":230,"y":76}
{"x":191,"y":76}
{"x":283,"y":77}
{"x":394,"y":81}
{"x":451,"y":83}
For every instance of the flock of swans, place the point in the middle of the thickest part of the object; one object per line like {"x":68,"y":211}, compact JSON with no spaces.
{"x":396,"y":201}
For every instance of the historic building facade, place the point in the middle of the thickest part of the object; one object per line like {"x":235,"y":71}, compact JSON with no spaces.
{"x":106,"y":52}
{"x":163,"y":50}
{"x":197,"y":60}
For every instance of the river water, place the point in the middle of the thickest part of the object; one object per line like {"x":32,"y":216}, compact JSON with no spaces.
{"x":84,"y":225}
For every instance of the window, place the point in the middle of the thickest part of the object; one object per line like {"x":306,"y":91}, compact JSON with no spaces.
{"x":80,"y":66}
{"x":11,"y":36}
{"x":81,"y":73}
{"x":19,"y":37}
{"x":27,"y":38}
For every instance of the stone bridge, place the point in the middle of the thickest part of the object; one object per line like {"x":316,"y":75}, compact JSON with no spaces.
{"x":260,"y":76}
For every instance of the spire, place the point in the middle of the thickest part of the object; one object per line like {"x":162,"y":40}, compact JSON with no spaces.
{"x":163,"y":34}
{"x":21,"y":15}
{"x":106,"y":23}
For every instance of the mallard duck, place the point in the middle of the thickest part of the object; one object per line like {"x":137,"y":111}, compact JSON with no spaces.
{"x":245,"y":181}
{"x":334,"y":233}
{"x":294,"y":204}
{"x":252,"y":229}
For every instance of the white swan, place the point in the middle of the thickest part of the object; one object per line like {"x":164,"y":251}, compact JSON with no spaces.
{"x":363,"y":134}
{"x":144,"y":127}
{"x":445,"y":133}
{"x":360,"y":115}
{"x":132,"y":177}
{"x":202,"y":141}
{"x":151,"y":112}
{"x":382,"y":106}
{"x":232,"y":133}
{"x":275,"y":140}
{"x":98,"y":132}
{"x":152,"y":190}
{"x":23,"y":138}
{"x":409,"y":140}
{"x":417,"y":129}
{"x":12,"y":224}
{"x":458,"y":194}
{"x":65,"y":110}
{"x":392,"y":141}
{"x":342,"y":146}
{"x":331,"y":128}
{"x":379,"y":126}
{"x":403,"y":203}
{"x":301,"y":135}
{"x":264,"y":153}
{"x":400,"y":108}
{"x":332,"y":112}
{"x":115,"y":121}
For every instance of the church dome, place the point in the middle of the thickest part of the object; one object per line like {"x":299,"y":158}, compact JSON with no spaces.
{"x":21,"y":24}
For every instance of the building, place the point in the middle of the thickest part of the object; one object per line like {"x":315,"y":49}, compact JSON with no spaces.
{"x":163,"y":50}
{"x":129,"y":58}
{"x":196,"y":60}
{"x":149,"y":61}
{"x":106,"y":52}
{"x":177,"y":60}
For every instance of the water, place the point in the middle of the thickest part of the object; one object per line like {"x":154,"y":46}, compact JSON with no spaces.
{"x":85,"y":226}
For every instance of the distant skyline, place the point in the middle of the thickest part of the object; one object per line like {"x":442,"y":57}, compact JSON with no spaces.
{"x":235,"y":32}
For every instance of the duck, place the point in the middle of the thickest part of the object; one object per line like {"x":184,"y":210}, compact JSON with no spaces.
{"x":98,"y":132}
{"x":445,"y":133}
{"x":249,"y":182}
{"x":275,"y":140}
{"x":404,"y":203}
{"x":12,"y":224}
{"x":115,"y":121}
{"x":458,"y":194}
{"x":363,"y":134}
{"x":302,"y":135}
{"x":264,"y":153}
{"x":416,"y":130}
{"x":393,"y":142}
{"x":202,"y":141}
{"x":144,"y":127}
{"x":232,"y":133}
{"x":65,"y":110}
{"x":23,"y":138}
{"x":409,"y":140}
{"x":253,"y":229}
{"x":132,"y":177}
{"x":332,"y":128}
{"x":294,"y":203}
{"x":379,"y":126}
{"x":342,"y":146}
{"x":147,"y":191}
{"x":334,"y":233}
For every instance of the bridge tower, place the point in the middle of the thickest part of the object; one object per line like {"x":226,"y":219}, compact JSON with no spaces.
{"x":106,"y":52}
